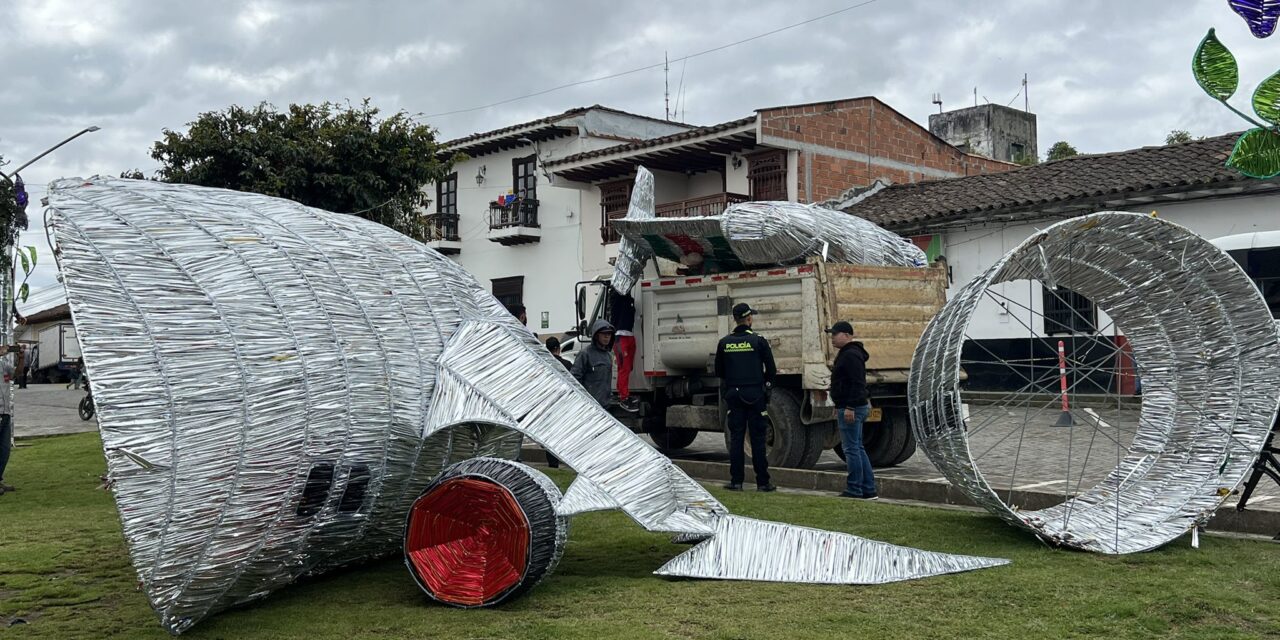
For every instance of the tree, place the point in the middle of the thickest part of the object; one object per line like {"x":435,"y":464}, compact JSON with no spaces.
{"x":13,"y":216}
{"x":1061,"y":149}
{"x":337,"y":157}
{"x":1177,"y":136}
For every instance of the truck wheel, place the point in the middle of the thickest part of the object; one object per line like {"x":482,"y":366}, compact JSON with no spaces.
{"x":670,"y":439}
{"x":818,"y":435}
{"x":786,"y":440}
{"x":908,"y":449}
{"x":892,"y":432}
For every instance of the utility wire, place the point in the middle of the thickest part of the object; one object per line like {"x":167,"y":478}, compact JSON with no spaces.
{"x":652,"y":66}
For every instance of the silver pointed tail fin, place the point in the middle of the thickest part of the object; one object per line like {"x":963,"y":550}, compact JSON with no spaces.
{"x":749,"y":549}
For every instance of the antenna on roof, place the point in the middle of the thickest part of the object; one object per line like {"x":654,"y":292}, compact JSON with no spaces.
{"x":1026,"y":100}
{"x":937,"y":99}
{"x":666,"y":86}
{"x":975,"y":96}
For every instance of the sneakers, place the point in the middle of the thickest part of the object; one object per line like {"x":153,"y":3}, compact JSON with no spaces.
{"x":734,"y":486}
{"x":5,"y":488}
{"x":630,"y":405}
{"x":846,"y":494}
{"x":766,"y":487}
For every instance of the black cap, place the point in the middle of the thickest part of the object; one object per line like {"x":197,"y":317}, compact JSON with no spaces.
{"x":742,"y":310}
{"x":841,"y":327}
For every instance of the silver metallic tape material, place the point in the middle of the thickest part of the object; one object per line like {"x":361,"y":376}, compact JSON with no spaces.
{"x":1205,"y":347}
{"x":276,"y":384}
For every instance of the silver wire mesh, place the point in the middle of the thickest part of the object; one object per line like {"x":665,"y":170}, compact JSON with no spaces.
{"x":275,"y":385}
{"x":1205,"y":348}
{"x":633,"y":253}
{"x":778,"y":232}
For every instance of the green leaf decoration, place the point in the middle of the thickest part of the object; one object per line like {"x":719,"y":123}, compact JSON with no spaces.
{"x":1215,"y":68}
{"x":1266,"y":99}
{"x":26,"y":262}
{"x":1257,"y":154}
{"x":23,"y":291}
{"x":32,"y":251}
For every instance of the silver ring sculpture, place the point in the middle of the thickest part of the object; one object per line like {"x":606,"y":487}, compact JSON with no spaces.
{"x":1205,"y":347}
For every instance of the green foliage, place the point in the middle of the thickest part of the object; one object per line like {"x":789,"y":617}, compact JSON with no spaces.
{"x":63,"y":568}
{"x":1257,"y":154}
{"x":1061,"y":149}
{"x":1026,"y":160}
{"x":1178,"y":136}
{"x":12,"y":220}
{"x":341,"y":158}
{"x":1266,"y":99}
{"x":1215,"y":68}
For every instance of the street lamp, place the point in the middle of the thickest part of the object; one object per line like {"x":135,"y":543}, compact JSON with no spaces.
{"x":49,"y":151}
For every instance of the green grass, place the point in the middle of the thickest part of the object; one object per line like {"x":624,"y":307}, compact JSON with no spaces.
{"x":63,"y":568}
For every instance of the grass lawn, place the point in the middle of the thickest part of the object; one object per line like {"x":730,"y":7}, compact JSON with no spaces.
{"x":64,"y":569}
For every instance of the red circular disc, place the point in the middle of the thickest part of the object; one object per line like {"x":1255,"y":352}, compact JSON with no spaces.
{"x":468,"y":541}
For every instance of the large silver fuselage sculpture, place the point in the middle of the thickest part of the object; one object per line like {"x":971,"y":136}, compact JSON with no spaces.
{"x":276,"y":384}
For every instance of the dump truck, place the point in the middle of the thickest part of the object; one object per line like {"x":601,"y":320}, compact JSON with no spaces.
{"x":680,"y":319}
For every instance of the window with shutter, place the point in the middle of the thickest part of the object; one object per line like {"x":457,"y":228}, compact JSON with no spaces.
{"x":767,"y":174}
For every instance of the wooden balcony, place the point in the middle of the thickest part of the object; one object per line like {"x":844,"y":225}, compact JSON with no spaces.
{"x":705,"y":206}
{"x":712,"y":205}
{"x":441,"y":233}
{"x":514,"y":223}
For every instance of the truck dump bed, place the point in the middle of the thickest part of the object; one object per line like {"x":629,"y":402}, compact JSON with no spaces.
{"x":684,"y":317}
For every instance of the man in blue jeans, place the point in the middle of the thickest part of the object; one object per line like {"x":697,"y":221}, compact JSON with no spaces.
{"x":6,"y":417}
{"x":849,"y":394}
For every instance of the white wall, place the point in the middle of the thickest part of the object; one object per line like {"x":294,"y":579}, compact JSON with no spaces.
{"x":736,"y":179}
{"x":549,"y":266}
{"x":972,"y":251}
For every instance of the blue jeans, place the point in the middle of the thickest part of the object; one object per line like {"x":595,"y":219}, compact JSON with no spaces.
{"x":861,"y":482}
{"x":6,"y":439}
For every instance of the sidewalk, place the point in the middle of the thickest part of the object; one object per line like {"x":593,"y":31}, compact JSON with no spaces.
{"x":47,"y":410}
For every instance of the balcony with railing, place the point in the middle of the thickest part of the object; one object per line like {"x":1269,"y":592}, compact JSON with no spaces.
{"x":712,"y":205}
{"x":514,"y":222}
{"x":441,"y":231}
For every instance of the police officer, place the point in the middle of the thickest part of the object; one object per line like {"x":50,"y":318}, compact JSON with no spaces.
{"x":744,"y":364}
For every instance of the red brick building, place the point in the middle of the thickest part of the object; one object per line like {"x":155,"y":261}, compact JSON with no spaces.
{"x":802,"y":153}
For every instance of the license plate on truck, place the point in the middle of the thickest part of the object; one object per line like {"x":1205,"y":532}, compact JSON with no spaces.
{"x":876,"y":415}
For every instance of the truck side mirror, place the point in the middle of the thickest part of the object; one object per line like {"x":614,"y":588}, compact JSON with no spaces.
{"x":580,"y":305}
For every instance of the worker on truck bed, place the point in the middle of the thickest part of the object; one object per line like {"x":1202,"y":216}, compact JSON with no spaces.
{"x":744,"y":364}
{"x":593,"y":366}
{"x":849,"y":394}
{"x":622,"y":315}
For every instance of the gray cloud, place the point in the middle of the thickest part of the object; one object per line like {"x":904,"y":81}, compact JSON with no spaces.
{"x":1104,"y":75}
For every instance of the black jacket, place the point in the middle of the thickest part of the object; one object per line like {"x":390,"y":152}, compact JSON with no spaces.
{"x":849,"y":377}
{"x":744,"y":359}
{"x":622,"y":311}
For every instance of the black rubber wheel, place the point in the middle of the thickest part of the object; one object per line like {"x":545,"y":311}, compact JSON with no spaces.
{"x":817,"y":434}
{"x":671,"y":439}
{"x":86,"y":408}
{"x":786,"y":440}
{"x":908,"y":449}
{"x":890,"y":437}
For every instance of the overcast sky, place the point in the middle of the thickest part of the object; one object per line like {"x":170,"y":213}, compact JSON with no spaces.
{"x":1104,"y":75}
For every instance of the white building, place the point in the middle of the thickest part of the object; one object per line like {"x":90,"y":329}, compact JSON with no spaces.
{"x":570,"y":174}
{"x":529,"y":251}
{"x":976,"y":220}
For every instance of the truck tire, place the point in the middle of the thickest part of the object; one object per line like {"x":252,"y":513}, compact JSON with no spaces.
{"x":818,"y":435}
{"x":786,"y":439}
{"x":888,"y":442}
{"x":892,"y":432}
{"x":908,"y":449}
{"x":670,"y":439}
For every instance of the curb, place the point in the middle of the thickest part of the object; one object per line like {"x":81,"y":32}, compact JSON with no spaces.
{"x":1249,"y":521}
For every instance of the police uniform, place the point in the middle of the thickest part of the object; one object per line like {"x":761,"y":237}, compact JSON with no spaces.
{"x":744,"y":364}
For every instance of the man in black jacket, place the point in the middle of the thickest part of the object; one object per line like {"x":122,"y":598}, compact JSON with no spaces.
{"x":849,"y":394}
{"x":744,"y":364}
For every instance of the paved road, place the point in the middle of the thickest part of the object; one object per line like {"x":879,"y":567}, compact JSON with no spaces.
{"x":1034,"y":458}
{"x":48,"y":409}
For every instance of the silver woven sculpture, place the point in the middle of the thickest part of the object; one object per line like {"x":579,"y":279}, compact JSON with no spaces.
{"x":750,"y":234}
{"x":1206,"y":351}
{"x":277,"y":384}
